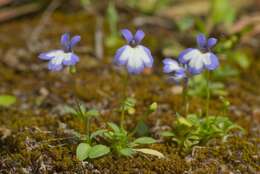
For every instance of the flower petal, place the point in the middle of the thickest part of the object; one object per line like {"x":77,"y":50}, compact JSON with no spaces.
{"x":70,"y":59}
{"x":201,"y":40}
{"x":127,"y":35}
{"x":137,"y":60}
{"x":139,"y":35}
{"x":120,"y":59}
{"x":170,"y":65}
{"x":74,"y":41}
{"x":196,"y":63}
{"x":65,"y":40}
{"x":147,"y":57}
{"x":178,"y":76}
{"x":55,"y":64}
{"x":49,"y":55}
{"x":211,"y":42}
{"x":187,"y":54}
{"x":211,"y":61}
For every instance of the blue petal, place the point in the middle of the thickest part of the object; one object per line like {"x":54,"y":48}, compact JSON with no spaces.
{"x":201,"y":40}
{"x":44,"y":56}
{"x":211,"y":42}
{"x":54,"y":67}
{"x":195,"y":71}
{"x":74,"y":41}
{"x":182,"y":54}
{"x":135,"y":70}
{"x":127,"y":35}
{"x":170,"y":65}
{"x":48,"y":55}
{"x":214,"y":62}
{"x":139,"y":35}
{"x":65,"y":41}
{"x":71,"y":61}
{"x":179,"y":75}
{"x":119,"y":52}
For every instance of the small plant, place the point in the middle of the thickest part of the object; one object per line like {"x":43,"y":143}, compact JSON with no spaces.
{"x":193,"y":130}
{"x":87,"y":149}
{"x":66,"y":57}
{"x":122,"y":144}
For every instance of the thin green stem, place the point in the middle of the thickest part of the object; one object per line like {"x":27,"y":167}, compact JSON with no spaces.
{"x":88,"y":130}
{"x":208,"y":92}
{"x":122,"y":119}
{"x":125,"y":83}
{"x":185,"y":96}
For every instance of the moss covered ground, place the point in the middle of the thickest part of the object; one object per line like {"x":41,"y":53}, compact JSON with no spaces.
{"x":41,"y":138}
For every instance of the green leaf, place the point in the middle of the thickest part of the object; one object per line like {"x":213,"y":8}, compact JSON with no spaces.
{"x":98,"y":151}
{"x":82,"y":151}
{"x":141,"y":128}
{"x":150,"y":152}
{"x":114,"y":127}
{"x":69,"y":110}
{"x":153,"y":107}
{"x":167,"y":134}
{"x":97,"y":133}
{"x":222,"y":12}
{"x":92,"y":113}
{"x":184,"y":121}
{"x":126,"y":151}
{"x":144,"y":140}
{"x":128,"y":104}
{"x":7,"y":100}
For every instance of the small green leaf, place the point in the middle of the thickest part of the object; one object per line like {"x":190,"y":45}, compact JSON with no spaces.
{"x":167,"y":134}
{"x":114,"y":127}
{"x":92,"y":113}
{"x":128,"y":103}
{"x":98,"y":151}
{"x":126,"y":151}
{"x":7,"y":100}
{"x":184,"y":121}
{"x":141,"y":128}
{"x":97,"y":133}
{"x":150,"y":152}
{"x":69,"y":110}
{"x":144,"y":140}
{"x":82,"y":151}
{"x":153,"y":107}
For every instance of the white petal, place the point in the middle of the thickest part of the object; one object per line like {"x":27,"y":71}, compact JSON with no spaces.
{"x":191,"y":54}
{"x":135,"y":62}
{"x":206,"y":58}
{"x":147,"y":60}
{"x":197,"y":61}
{"x":54,"y":53}
{"x":125,"y":55}
{"x":135,"y":58}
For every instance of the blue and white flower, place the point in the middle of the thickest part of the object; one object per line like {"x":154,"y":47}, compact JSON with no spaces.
{"x":62,"y":57}
{"x":134,"y":56}
{"x":177,"y":71}
{"x":197,"y":60}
